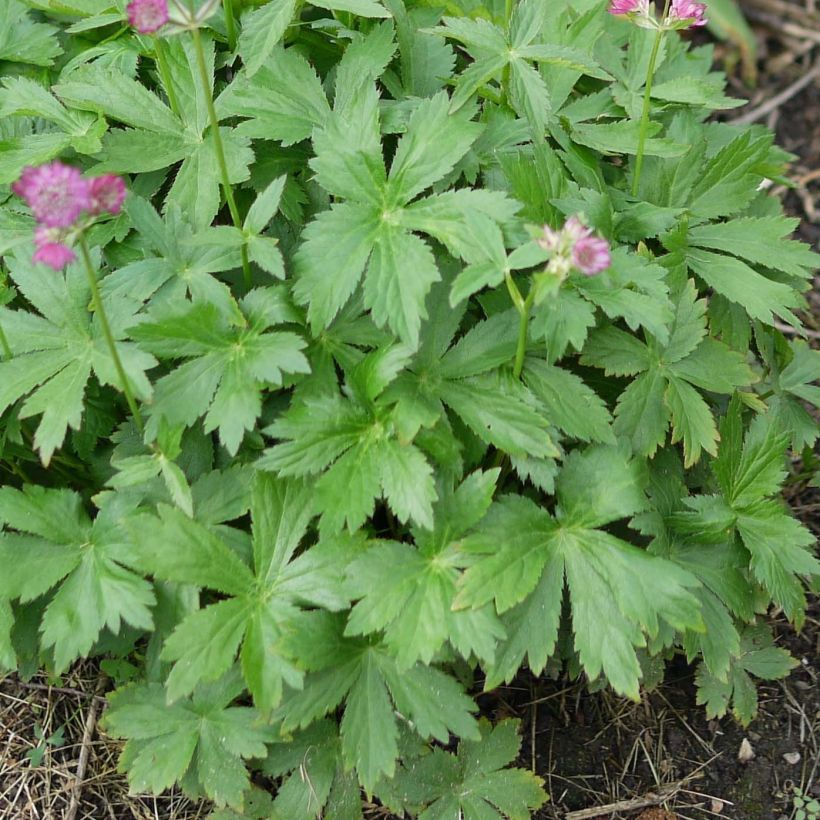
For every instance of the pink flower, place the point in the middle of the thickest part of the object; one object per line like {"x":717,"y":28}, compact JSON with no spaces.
{"x":55,"y":192}
{"x":590,"y":255}
{"x":50,"y":251}
{"x":574,"y":229}
{"x":147,"y":16}
{"x":623,"y":7}
{"x":688,"y":11}
{"x":107,"y":194}
{"x":550,"y":239}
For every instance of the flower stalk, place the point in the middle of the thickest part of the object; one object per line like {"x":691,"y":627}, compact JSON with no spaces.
{"x":219,"y":148}
{"x":523,"y":333}
{"x":96,"y":301}
{"x":647,"y":95}
{"x":230,"y":23}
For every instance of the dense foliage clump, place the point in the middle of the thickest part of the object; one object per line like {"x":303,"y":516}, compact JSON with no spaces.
{"x":430,"y":341}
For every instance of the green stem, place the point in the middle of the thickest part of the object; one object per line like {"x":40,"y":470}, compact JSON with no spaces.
{"x":650,"y":74}
{"x":219,"y":149}
{"x":165,"y":73}
{"x":109,"y":336}
{"x":508,"y":13}
{"x":523,"y":333}
{"x":230,"y":23}
{"x":4,"y":343}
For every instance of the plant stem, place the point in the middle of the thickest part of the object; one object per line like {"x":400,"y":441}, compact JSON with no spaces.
{"x":165,"y":73}
{"x":4,"y":343}
{"x":650,"y":74}
{"x":230,"y":23}
{"x":219,"y":149}
{"x":109,"y":336}
{"x":523,"y":333}
{"x":508,"y":13}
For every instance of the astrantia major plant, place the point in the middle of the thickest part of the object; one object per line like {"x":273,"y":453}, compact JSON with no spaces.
{"x":357,"y":354}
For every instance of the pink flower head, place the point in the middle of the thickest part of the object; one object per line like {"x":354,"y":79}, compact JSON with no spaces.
{"x":688,"y":11}
{"x":50,"y":251}
{"x":147,"y":16}
{"x":624,"y":7}
{"x":590,"y":255}
{"x":55,"y":192}
{"x":575,"y":230}
{"x":107,"y":194}
{"x":550,"y":240}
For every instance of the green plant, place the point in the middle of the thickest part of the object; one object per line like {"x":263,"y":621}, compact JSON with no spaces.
{"x":427,"y":344}
{"x":805,"y":808}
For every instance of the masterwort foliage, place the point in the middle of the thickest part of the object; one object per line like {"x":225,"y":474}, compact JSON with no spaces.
{"x":358,"y":353}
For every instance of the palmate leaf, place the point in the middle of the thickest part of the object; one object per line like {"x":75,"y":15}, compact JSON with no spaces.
{"x":353,"y":443}
{"x":494,"y":52}
{"x":499,"y":410}
{"x":227,"y":366}
{"x":759,"y":657}
{"x":264,"y":599}
{"x":315,"y":780}
{"x":794,"y":385}
{"x":474,"y":783}
{"x":366,"y":677}
{"x":50,"y":543}
{"x":749,"y":473}
{"x":619,"y":593}
{"x":669,"y":373}
{"x":175,"y":262}
{"x":155,"y":138}
{"x":22,"y":40}
{"x":201,"y":740}
{"x":407,"y":591}
{"x":56,"y":352}
{"x":399,"y":268}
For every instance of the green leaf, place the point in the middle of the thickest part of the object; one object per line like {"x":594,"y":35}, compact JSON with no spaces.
{"x":692,"y":421}
{"x":599,"y":485}
{"x":758,"y":656}
{"x":275,"y":110}
{"x":401,"y":272}
{"x":265,"y":600}
{"x":346,"y":233}
{"x":110,"y":92}
{"x":759,"y":241}
{"x":473,"y":783}
{"x":408,"y":483}
{"x":262,"y":29}
{"x":780,"y":553}
{"x":83,"y":559}
{"x":57,"y":351}
{"x":622,"y":138}
{"x":367,"y":677}
{"x":499,"y":415}
{"x":22,"y":40}
{"x":203,"y":738}
{"x":641,"y":414}
{"x":614,"y":588}
{"x":434,"y":142}
{"x":571,"y":405}
{"x":369,"y":731}
{"x":226,"y":368}
{"x":407,"y":592}
{"x":760,"y":297}
{"x":362,"y":8}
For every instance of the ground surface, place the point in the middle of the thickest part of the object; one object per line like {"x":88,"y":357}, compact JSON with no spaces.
{"x":660,"y":759}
